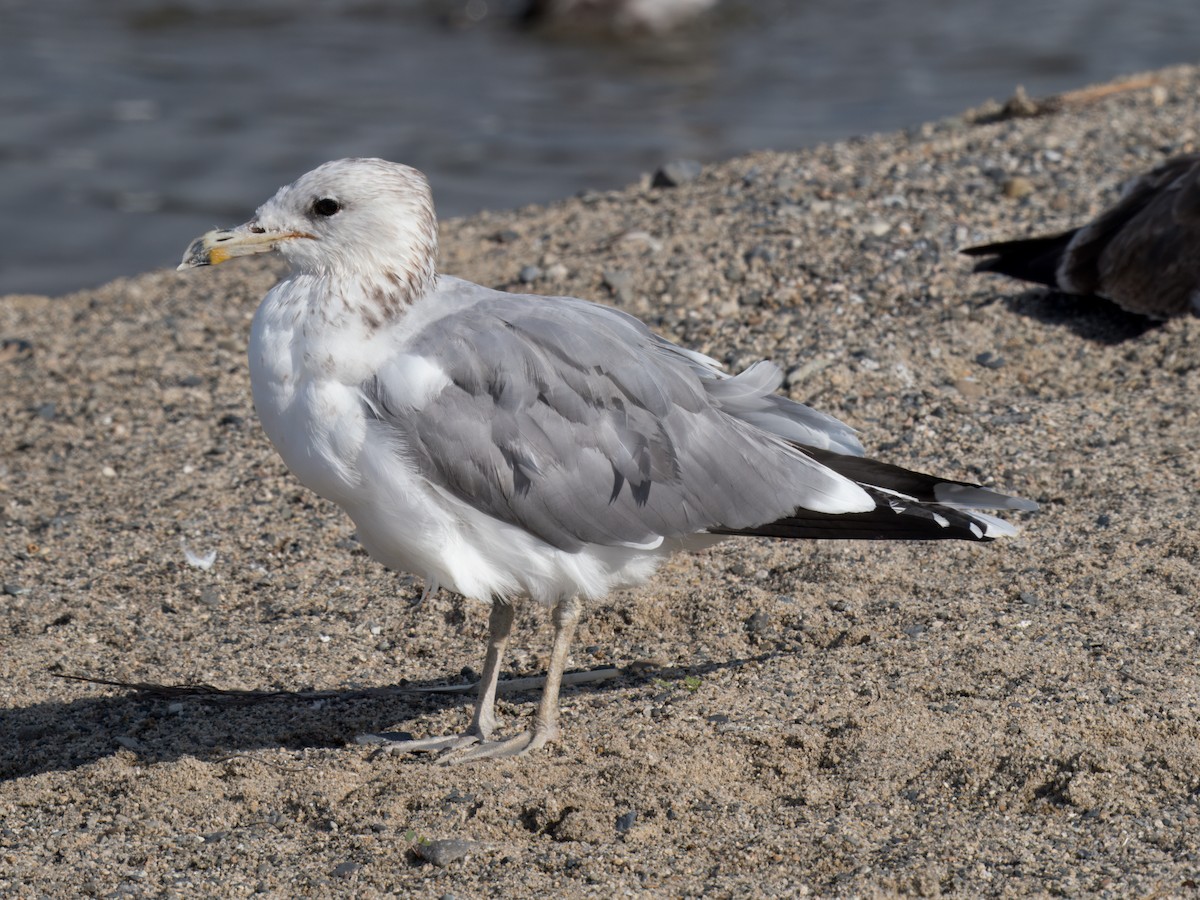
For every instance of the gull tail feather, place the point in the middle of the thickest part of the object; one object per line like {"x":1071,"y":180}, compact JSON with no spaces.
{"x":750,"y":396}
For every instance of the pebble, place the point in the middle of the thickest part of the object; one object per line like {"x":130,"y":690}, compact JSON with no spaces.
{"x":760,"y":253}
{"x":990,"y":360}
{"x":625,"y":821}
{"x":346,"y":869}
{"x":799,"y":374}
{"x":758,"y":622}
{"x":1012,"y":419}
{"x":12,"y":349}
{"x":1018,"y":187}
{"x":676,"y":172}
{"x":443,"y":853}
{"x":529,"y":274}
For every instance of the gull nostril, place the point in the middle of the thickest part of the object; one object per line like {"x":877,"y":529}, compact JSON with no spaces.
{"x":224,"y":238}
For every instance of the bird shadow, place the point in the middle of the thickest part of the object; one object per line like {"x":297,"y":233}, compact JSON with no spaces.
{"x":1091,"y":318}
{"x":65,"y":735}
{"x":162,"y":723}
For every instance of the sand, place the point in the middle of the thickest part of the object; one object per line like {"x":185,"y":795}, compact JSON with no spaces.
{"x":819,"y":719}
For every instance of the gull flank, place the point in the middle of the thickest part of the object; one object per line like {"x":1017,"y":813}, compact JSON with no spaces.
{"x":510,"y":446}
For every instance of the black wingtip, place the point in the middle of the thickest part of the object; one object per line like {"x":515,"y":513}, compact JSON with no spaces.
{"x":894,"y":518}
{"x":859,"y":527}
{"x":1028,"y":259}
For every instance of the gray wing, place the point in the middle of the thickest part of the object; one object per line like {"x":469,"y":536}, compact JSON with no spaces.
{"x":574,"y":422}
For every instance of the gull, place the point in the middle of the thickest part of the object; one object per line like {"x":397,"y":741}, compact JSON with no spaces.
{"x":1143,"y":254}
{"x":516,"y":447}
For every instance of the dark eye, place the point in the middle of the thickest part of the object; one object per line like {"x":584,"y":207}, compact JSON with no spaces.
{"x":326,"y":206}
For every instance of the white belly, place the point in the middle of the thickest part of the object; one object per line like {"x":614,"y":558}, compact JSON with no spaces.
{"x":410,"y":525}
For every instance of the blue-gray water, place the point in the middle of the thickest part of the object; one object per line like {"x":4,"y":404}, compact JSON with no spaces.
{"x":129,"y":126}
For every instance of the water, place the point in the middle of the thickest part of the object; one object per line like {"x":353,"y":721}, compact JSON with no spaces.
{"x":129,"y":126}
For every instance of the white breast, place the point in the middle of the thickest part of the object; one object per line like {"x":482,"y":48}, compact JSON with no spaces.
{"x":307,"y":395}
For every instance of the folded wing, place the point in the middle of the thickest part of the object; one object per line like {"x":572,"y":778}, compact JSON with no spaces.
{"x":576,"y":423}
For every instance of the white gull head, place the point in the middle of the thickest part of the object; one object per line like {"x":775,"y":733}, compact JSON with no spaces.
{"x":366,"y":222}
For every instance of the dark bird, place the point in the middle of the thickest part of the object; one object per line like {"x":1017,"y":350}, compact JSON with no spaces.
{"x":1143,"y":254}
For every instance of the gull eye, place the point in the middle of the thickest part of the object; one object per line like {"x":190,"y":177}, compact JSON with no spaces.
{"x":326,"y":206}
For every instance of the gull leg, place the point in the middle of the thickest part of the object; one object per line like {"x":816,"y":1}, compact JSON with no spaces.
{"x":483,"y":722}
{"x":545,"y":722}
